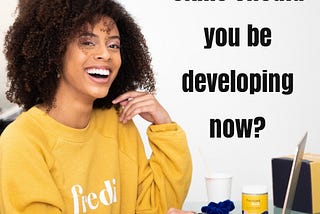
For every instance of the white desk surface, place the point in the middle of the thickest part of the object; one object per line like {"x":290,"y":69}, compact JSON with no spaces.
{"x":196,"y":206}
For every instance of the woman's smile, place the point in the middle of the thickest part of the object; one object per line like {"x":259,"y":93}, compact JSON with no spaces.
{"x":99,"y":75}
{"x":91,"y":62}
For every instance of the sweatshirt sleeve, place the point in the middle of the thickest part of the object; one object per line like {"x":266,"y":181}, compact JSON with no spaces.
{"x":25,"y":182}
{"x":166,"y":178}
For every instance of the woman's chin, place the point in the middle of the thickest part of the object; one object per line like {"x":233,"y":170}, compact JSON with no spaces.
{"x":101,"y":94}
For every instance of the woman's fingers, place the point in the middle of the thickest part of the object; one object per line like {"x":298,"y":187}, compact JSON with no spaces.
{"x":138,"y":105}
{"x":144,"y":104}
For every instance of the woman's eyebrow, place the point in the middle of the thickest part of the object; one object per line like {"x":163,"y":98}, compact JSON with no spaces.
{"x":88,"y":34}
{"x":114,"y":37}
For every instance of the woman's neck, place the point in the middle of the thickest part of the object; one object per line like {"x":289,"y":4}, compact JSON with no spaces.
{"x":72,"y":113}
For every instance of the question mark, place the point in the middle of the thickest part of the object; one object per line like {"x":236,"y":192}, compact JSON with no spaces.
{"x":260,"y":123}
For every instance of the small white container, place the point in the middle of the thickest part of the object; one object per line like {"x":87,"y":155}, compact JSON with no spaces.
{"x":218,"y":187}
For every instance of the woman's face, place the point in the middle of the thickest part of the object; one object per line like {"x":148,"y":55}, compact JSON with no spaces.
{"x":92,"y":62}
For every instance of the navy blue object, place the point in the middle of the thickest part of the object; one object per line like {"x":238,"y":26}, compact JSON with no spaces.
{"x":223,"y":207}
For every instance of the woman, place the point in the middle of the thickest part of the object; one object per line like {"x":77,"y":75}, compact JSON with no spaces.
{"x":75,"y":68}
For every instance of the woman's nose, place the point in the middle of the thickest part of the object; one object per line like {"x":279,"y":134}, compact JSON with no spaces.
{"x":103,"y":53}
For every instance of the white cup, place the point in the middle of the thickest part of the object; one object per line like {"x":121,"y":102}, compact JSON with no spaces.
{"x":218,"y":187}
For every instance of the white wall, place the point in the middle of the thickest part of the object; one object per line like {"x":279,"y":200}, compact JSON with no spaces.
{"x":7,"y":13}
{"x":175,"y":33}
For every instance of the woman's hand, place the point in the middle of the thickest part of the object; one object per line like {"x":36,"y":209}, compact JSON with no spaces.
{"x":142,"y":103}
{"x":176,"y":211}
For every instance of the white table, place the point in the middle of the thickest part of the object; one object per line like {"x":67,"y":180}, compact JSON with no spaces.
{"x":196,"y":206}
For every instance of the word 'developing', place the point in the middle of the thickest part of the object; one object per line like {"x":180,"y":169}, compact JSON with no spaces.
{"x":251,"y":83}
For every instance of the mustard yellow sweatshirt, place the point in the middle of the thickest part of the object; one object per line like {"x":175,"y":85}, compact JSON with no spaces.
{"x":46,"y":167}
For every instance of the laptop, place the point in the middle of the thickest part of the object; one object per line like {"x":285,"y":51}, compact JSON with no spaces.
{"x":294,"y":176}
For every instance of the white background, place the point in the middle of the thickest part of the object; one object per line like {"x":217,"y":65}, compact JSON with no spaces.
{"x":174,"y":33}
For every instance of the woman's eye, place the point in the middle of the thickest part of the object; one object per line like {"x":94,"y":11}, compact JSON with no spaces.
{"x":87,"y":42}
{"x":114,"y":46}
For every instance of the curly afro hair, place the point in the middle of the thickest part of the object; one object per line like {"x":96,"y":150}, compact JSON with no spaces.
{"x":36,"y":43}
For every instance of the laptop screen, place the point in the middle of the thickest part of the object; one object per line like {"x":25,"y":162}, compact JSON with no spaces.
{"x":294,"y":176}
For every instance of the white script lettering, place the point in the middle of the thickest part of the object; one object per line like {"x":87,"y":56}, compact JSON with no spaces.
{"x":91,"y":201}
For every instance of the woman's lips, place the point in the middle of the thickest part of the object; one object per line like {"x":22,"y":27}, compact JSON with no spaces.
{"x":98,"y":75}
{"x":98,"y":72}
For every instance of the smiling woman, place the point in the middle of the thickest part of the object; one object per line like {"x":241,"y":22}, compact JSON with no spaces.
{"x":81,"y":71}
{"x":52,"y":41}
{"x":91,"y":63}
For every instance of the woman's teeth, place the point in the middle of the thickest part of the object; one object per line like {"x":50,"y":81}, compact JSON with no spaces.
{"x":100,"y":73}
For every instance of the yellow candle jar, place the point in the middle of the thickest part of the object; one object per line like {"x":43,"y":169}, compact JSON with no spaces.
{"x":254,"y":199}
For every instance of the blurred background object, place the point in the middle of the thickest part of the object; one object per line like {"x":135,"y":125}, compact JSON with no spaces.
{"x":8,"y":111}
{"x":8,"y":115}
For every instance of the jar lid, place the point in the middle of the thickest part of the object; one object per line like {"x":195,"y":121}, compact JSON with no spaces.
{"x":255,"y":189}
